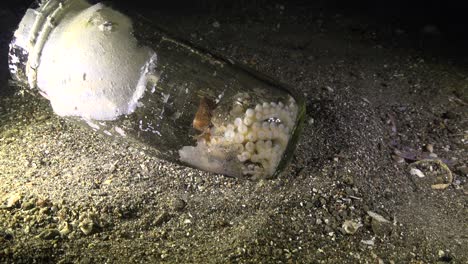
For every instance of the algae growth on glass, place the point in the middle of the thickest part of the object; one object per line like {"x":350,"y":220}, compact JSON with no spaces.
{"x":124,"y":77}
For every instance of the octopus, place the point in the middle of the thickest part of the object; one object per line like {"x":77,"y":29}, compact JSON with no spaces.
{"x":202,"y":121}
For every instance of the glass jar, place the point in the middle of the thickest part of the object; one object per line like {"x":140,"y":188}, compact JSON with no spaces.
{"x":127,"y":78}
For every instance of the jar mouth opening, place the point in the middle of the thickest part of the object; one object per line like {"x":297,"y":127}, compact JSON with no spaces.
{"x":32,"y":33}
{"x":101,"y":78}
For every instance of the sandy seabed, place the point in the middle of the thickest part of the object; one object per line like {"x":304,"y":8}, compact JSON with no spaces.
{"x":375,"y":105}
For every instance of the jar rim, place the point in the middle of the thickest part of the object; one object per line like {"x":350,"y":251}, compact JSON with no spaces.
{"x":31,"y":35}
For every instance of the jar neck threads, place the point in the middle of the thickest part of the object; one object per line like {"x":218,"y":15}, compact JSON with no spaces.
{"x":32,"y":34}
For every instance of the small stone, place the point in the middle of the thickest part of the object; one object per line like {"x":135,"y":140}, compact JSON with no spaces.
{"x":161,"y":218}
{"x":348,"y":180}
{"x":463,"y":170}
{"x":42,"y":117}
{"x":398,"y":159}
{"x":449,"y":115}
{"x":45,"y":211}
{"x":10,"y":133}
{"x":380,"y":225}
{"x":42,"y":202}
{"x":49,"y":234}
{"x":178,"y":204}
{"x":12,"y":200}
{"x":88,"y":226}
{"x":377,"y":217}
{"x":216,"y":24}
{"x":329,"y":89}
{"x":321,"y":202}
{"x":388,"y":193}
{"x":441,"y":253}
{"x":28,"y":205}
{"x":66,"y":229}
{"x":221,"y":223}
{"x":370,"y":242}
{"x":349,"y":191}
{"x":429,"y":148}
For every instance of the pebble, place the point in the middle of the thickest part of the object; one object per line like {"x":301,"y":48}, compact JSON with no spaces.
{"x":10,"y":133}
{"x":398,"y":159}
{"x":444,"y":257}
{"x":441,"y":253}
{"x":349,"y":191}
{"x":463,"y":170}
{"x":348,"y":180}
{"x":380,"y":225}
{"x":449,"y":115}
{"x":216,"y":24}
{"x":88,"y":226}
{"x":429,"y":148}
{"x":377,"y":217}
{"x":329,"y":89}
{"x":178,"y":204}
{"x":66,"y":229}
{"x":49,"y":234}
{"x":370,"y":242}
{"x":12,"y":200}
{"x":42,"y":202}
{"x":42,"y":117}
{"x":161,"y":218}
{"x":28,"y":205}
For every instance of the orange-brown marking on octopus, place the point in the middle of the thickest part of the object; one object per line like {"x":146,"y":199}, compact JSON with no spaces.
{"x":202,"y":120}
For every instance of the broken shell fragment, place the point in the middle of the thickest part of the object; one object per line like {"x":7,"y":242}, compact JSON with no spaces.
{"x":350,"y":227}
{"x":417,"y":172}
{"x":435,"y":174}
{"x":380,"y":225}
